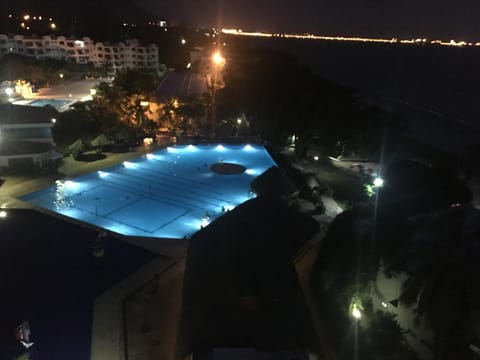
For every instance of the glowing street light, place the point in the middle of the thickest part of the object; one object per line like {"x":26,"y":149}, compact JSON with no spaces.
{"x":53,"y":26}
{"x":218,"y":59}
{"x":183,"y":41}
{"x":3,"y":214}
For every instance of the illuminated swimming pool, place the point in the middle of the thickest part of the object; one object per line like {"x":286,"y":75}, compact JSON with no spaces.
{"x":170,"y":193}
{"x":56,"y":103}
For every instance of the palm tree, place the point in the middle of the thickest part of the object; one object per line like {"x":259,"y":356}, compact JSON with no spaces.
{"x":440,"y":286}
{"x":134,"y":110}
{"x":168,"y":113}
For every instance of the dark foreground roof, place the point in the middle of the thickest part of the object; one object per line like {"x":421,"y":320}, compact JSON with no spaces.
{"x":49,"y":277}
{"x":273,"y":182}
{"x":240,"y":287}
{"x":22,"y":114}
{"x":24,"y":147}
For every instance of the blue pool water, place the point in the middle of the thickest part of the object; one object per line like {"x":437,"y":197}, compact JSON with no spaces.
{"x":170,"y":193}
{"x":57,"y":104}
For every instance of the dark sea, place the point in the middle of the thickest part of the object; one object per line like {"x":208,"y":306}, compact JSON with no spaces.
{"x":435,"y":88}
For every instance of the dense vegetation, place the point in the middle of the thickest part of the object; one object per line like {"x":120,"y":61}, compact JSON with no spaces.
{"x":279,"y":97}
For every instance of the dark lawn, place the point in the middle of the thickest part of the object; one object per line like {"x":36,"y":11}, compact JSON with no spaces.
{"x":49,"y":277}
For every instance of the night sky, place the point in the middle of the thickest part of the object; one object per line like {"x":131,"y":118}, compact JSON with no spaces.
{"x":429,"y":18}
{"x":443,"y":19}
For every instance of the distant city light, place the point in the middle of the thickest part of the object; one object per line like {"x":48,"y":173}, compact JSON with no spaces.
{"x":315,"y":158}
{"x":26,"y":17}
{"x":3,"y":214}
{"x":53,"y":26}
{"x":54,"y":120}
{"x":183,"y":41}
{"x":393,"y":40}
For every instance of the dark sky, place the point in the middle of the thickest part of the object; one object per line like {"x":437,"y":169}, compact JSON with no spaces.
{"x":403,"y":18}
{"x":430,"y":18}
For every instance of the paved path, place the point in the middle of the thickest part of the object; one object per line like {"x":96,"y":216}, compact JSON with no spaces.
{"x":69,"y":89}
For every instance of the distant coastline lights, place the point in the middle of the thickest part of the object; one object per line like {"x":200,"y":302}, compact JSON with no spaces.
{"x":394,"y":40}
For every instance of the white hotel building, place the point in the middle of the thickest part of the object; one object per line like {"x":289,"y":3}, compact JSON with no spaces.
{"x":120,"y":56}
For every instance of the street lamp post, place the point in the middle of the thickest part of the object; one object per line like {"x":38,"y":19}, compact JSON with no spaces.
{"x":218,"y":62}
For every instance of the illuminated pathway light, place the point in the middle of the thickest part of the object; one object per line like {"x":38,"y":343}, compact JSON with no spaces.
{"x":378,"y":182}
{"x":356,"y":313}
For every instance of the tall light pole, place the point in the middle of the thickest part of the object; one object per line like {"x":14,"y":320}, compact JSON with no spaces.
{"x":218,"y":63}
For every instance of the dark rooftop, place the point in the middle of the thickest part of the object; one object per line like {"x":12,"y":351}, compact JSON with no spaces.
{"x":22,"y":114}
{"x":50,"y":278}
{"x":24,"y":147}
{"x":240,"y":285}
